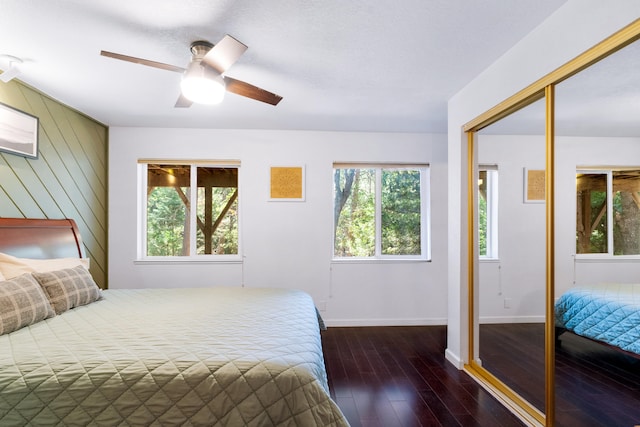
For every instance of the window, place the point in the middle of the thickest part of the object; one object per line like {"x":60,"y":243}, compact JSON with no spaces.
{"x":608,"y":212}
{"x":488,"y":212}
{"x":380,"y":211}
{"x":173,"y":226}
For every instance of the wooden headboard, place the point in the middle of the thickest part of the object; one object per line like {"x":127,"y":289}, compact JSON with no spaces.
{"x":40,"y":238}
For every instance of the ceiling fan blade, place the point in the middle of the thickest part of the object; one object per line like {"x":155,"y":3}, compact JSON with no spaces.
{"x":183,"y":102}
{"x":141,"y":61}
{"x":224,"y":54}
{"x":250,"y":91}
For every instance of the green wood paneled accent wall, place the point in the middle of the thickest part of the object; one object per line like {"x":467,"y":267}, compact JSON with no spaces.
{"x":69,"y":177}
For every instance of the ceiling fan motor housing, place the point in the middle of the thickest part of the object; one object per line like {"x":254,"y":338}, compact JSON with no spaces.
{"x":202,"y":84}
{"x":200,"y":48}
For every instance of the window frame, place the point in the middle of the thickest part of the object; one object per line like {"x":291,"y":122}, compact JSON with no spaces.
{"x":610,"y":254}
{"x":425,"y":212}
{"x":492,"y":202}
{"x":141,"y":256}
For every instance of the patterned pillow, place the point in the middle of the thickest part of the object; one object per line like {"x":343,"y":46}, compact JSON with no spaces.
{"x":22,"y":303}
{"x":68,"y":288}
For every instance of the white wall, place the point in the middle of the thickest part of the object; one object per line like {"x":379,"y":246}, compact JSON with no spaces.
{"x":288,"y":244}
{"x":512,"y":288}
{"x":574,"y":28}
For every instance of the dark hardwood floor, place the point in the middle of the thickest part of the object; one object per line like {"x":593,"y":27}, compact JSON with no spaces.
{"x":596,"y":385}
{"x":398,"y":376}
{"x":514,"y":353}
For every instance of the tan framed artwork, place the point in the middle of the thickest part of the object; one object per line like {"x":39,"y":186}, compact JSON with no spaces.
{"x":533,"y":185}
{"x":286,"y":183}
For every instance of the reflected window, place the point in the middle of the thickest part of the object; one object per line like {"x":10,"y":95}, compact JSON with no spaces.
{"x":488,"y":212}
{"x":608,"y":212}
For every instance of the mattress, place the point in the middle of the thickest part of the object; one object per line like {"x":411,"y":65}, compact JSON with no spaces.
{"x":609,"y":313}
{"x":201,"y":357}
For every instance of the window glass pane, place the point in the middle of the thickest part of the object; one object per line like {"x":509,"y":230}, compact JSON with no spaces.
{"x":482,"y":213}
{"x":626,"y":212}
{"x":400,"y":212}
{"x":217,"y":210}
{"x":167,"y":210}
{"x":354,"y":212}
{"x":591,"y":213}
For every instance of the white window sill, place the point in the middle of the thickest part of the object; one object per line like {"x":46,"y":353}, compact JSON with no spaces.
{"x":188,"y":260}
{"x":606,"y":258}
{"x":378,"y":260}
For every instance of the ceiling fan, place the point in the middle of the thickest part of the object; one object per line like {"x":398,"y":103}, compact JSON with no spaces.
{"x":203,"y":80}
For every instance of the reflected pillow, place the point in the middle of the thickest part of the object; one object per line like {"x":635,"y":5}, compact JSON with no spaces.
{"x":68,"y":288}
{"x":11,"y":266}
{"x":22,"y":303}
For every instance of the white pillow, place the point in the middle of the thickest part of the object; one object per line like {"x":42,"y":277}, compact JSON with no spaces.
{"x":11,"y":266}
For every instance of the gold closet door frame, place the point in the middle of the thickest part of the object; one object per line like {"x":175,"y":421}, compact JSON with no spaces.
{"x":542,"y":88}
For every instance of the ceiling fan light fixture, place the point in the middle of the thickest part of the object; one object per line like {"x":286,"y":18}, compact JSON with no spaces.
{"x":202,"y":85}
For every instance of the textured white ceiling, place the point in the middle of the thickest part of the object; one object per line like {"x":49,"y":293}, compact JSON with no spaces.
{"x":383,"y":65}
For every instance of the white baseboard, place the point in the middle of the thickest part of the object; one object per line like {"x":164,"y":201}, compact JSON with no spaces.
{"x":511,"y":319}
{"x":427,"y":321}
{"x":453,"y":359}
{"x":384,"y":322}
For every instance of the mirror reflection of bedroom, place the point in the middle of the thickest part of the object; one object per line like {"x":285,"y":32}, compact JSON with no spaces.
{"x":597,"y":246}
{"x":598,"y":238}
{"x":511,"y":236}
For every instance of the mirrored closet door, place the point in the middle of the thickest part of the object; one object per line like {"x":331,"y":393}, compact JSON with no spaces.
{"x":511,"y":248}
{"x":597,"y":135}
{"x":557,"y":167}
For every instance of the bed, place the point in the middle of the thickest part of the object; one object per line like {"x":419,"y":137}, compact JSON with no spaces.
{"x":208,"y":356}
{"x":608,"y":313}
